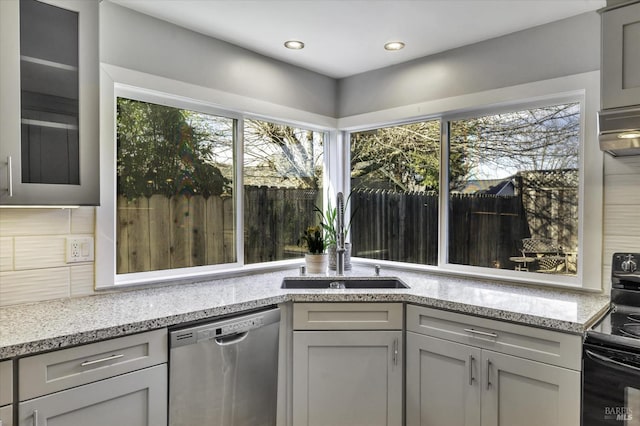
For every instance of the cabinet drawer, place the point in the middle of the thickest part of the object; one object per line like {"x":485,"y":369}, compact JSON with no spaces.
{"x":6,"y":382}
{"x":347,"y":316}
{"x":54,"y":371}
{"x":533,"y":343}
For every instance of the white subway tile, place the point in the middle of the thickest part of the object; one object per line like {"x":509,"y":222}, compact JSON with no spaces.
{"x":622,"y":189}
{"x":622,"y":220}
{"x":6,"y":253}
{"x":33,"y":286}
{"x":34,"y":222}
{"x":621,"y":165}
{"x":82,"y":277}
{"x":83,"y":220}
{"x":40,"y":252}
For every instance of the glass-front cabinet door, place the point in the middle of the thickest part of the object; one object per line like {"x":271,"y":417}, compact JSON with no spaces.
{"x":49,"y":105}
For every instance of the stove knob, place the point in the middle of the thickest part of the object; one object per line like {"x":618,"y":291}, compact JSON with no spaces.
{"x":629,"y":265}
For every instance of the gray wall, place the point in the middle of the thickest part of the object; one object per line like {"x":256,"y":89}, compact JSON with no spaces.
{"x":561,"y":48}
{"x":132,"y":40}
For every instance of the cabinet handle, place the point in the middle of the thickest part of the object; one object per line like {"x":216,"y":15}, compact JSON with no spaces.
{"x":481,"y":333}
{"x":395,"y":351}
{"x":97,"y":361}
{"x":9,"y":176}
{"x":35,"y":417}
{"x":471,"y":378}
{"x":489,"y":364}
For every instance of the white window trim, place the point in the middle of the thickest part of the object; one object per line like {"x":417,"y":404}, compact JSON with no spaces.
{"x":583,"y":88}
{"x":116,"y":81}
{"x":336,"y":176}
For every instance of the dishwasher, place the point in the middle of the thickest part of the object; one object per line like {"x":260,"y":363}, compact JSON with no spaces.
{"x":225,"y":372}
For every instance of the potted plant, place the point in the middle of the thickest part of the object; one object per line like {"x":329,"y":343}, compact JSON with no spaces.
{"x":329,"y":223}
{"x":316,"y":258}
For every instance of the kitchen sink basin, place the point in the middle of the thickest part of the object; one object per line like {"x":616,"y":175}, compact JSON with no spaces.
{"x":343,"y":282}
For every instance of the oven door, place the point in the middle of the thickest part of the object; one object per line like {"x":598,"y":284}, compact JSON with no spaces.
{"x":611,"y":386}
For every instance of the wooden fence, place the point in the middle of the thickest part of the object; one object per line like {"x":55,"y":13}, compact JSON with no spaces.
{"x":161,"y":233}
{"x":484,"y":230}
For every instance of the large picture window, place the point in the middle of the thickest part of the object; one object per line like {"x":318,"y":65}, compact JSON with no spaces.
{"x":175,"y":185}
{"x":283,"y":174}
{"x":513,"y":190}
{"x":395,"y":174}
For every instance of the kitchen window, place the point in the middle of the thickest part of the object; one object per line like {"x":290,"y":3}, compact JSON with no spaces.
{"x":395,"y":174}
{"x":175,"y":186}
{"x":513,"y":181}
{"x":199,"y":190}
{"x":283,"y":178}
{"x":504,"y":185}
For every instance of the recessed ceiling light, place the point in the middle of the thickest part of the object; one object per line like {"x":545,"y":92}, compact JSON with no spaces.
{"x":394,"y":45}
{"x":294,"y":44}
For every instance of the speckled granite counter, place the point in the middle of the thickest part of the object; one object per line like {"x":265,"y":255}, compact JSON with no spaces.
{"x":26,"y":329}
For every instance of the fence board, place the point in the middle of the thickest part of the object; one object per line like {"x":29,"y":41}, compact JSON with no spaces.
{"x":180,"y":232}
{"x":214,"y":225}
{"x":159,"y":235}
{"x":140,"y":259}
{"x":122,"y":236}
{"x":197,"y":231}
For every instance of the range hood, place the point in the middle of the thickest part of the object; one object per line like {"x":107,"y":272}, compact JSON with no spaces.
{"x":619,"y":131}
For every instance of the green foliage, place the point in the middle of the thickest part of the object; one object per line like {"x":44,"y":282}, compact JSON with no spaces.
{"x":314,"y":240}
{"x":163,"y":150}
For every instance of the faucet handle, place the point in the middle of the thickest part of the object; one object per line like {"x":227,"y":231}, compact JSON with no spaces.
{"x":377,"y":270}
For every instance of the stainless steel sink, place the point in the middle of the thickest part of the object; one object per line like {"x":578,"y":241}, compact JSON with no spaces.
{"x":343,"y":282}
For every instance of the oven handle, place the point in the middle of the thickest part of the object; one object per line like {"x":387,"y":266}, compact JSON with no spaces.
{"x":604,"y":359}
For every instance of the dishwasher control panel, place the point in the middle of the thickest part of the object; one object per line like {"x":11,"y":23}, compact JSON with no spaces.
{"x":219,"y":329}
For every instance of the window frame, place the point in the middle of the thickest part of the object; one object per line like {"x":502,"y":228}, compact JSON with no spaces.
{"x":119,"y":82}
{"x":336,"y":174}
{"x":581,"y":88}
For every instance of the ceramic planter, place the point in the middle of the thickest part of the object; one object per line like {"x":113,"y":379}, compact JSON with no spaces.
{"x":316,"y":263}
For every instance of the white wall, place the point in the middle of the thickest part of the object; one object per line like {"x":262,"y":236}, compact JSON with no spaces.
{"x":139,"y":42}
{"x":570,"y":46}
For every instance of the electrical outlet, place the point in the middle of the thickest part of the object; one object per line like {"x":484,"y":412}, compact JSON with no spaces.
{"x":79,"y":249}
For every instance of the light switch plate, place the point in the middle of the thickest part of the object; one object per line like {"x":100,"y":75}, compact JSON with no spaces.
{"x":79,"y":249}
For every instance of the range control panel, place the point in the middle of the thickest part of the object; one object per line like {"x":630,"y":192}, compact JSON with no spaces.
{"x":625,"y":272}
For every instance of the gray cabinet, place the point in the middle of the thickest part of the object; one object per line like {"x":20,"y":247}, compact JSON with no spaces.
{"x":344,"y":376}
{"x":121,"y":381}
{"x":463,"y":371}
{"x":6,"y":393}
{"x":443,"y":382}
{"x":621,"y":56}
{"x":133,"y":399}
{"x":49,"y":130}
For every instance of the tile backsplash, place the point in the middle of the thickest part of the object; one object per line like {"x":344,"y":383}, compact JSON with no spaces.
{"x":33,"y":254}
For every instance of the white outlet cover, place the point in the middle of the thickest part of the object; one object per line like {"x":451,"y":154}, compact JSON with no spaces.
{"x":79,"y":249}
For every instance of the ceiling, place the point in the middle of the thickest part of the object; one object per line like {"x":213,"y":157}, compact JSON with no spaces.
{"x":346,"y":37}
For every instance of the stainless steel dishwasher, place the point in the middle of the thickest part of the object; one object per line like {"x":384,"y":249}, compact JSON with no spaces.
{"x":225,"y":372}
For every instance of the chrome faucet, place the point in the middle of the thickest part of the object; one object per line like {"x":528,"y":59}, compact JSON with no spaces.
{"x":340,"y":234}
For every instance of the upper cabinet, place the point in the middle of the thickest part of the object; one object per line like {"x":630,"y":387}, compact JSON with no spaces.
{"x":621,"y":56}
{"x":49,"y":80}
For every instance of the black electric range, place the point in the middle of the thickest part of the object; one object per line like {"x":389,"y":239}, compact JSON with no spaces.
{"x":611,"y":352}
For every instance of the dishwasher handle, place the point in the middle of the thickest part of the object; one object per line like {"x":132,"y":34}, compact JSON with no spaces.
{"x":231,"y":339}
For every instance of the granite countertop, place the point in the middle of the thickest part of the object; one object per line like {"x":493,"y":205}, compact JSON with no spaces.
{"x":32,"y":328}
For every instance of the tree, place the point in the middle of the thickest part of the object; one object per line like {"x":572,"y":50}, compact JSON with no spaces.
{"x":280,"y":153}
{"x":166,"y":150}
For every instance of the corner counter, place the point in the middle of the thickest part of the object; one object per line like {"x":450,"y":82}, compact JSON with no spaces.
{"x":31,"y":328}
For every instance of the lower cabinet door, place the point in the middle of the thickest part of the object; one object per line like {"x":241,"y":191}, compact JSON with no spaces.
{"x":443,"y":382}
{"x":6,"y":415}
{"x":133,"y":399}
{"x":520,"y":392}
{"x":347,"y":378}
